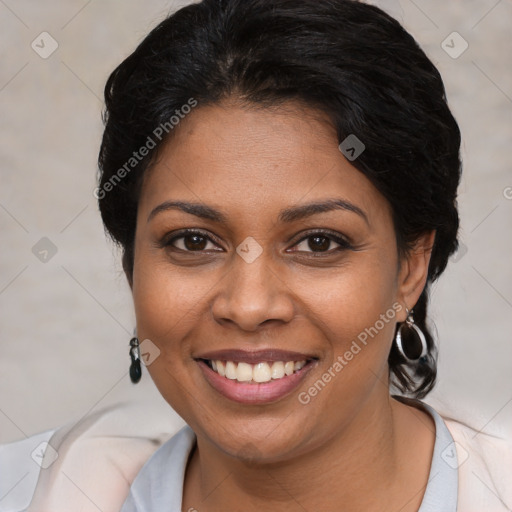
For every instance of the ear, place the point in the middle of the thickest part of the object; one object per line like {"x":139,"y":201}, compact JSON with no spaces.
{"x":413,"y":273}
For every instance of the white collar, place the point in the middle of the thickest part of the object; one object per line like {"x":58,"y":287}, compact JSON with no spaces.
{"x":159,"y":484}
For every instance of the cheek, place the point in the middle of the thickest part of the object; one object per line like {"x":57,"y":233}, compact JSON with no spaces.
{"x":170,"y":305}
{"x":350,"y":301}
{"x":165,"y":298}
{"x":354,"y":311}
{"x":166,"y":308}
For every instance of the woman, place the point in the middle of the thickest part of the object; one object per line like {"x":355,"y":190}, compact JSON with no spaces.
{"x":301,"y":192}
{"x":282,"y":179}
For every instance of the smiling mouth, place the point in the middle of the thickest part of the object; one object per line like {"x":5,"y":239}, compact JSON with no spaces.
{"x":257,"y":380}
{"x":255,"y":373}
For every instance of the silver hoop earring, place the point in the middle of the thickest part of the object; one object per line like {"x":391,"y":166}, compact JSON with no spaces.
{"x":407,"y":338}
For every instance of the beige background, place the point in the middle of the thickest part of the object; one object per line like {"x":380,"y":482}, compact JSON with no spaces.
{"x":65,"y":323}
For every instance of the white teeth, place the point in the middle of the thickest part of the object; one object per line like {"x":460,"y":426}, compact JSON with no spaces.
{"x":260,"y":372}
{"x":277,"y":370}
{"x":230,"y":370}
{"x":221,"y":368}
{"x":244,"y":372}
{"x":288,"y":367}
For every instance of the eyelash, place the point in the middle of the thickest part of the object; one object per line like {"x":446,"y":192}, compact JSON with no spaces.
{"x":342,"y":242}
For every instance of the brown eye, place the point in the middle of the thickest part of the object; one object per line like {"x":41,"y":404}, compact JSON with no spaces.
{"x":193,"y":241}
{"x":320,"y":242}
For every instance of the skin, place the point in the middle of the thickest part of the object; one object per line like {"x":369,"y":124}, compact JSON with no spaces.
{"x":352,"y":444}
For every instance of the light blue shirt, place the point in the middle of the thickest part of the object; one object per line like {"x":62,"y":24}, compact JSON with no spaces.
{"x":159,"y":484}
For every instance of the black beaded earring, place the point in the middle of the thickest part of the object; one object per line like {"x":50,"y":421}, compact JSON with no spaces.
{"x":135,"y":369}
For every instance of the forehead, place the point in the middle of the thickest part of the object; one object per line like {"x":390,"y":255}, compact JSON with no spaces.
{"x":255,"y":161}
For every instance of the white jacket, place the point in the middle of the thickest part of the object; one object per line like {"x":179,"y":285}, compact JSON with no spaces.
{"x":98,"y":458}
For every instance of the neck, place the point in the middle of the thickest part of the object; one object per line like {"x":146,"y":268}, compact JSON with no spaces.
{"x":365,"y":466}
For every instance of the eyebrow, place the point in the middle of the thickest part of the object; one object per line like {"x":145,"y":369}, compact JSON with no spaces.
{"x":287,"y":215}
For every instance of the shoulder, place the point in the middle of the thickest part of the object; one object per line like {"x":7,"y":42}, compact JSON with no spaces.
{"x":92,"y":463}
{"x":482,"y":460}
{"x":485,"y":468}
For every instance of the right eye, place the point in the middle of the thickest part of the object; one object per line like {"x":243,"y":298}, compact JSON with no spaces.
{"x":191,"y":241}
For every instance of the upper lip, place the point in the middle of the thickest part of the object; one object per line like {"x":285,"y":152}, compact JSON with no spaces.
{"x":255,"y":356}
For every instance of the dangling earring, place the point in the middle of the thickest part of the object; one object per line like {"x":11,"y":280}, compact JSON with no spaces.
{"x":407,"y":338}
{"x":135,"y":369}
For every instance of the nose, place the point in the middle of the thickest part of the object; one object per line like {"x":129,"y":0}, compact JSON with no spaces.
{"x":253,"y":294}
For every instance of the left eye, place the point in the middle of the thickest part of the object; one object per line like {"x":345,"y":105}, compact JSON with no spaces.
{"x":320,"y":242}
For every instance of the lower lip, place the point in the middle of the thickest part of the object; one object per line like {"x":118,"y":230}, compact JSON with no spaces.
{"x":255,"y":393}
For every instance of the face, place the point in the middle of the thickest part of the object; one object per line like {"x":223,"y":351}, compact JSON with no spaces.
{"x":247,"y":272}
